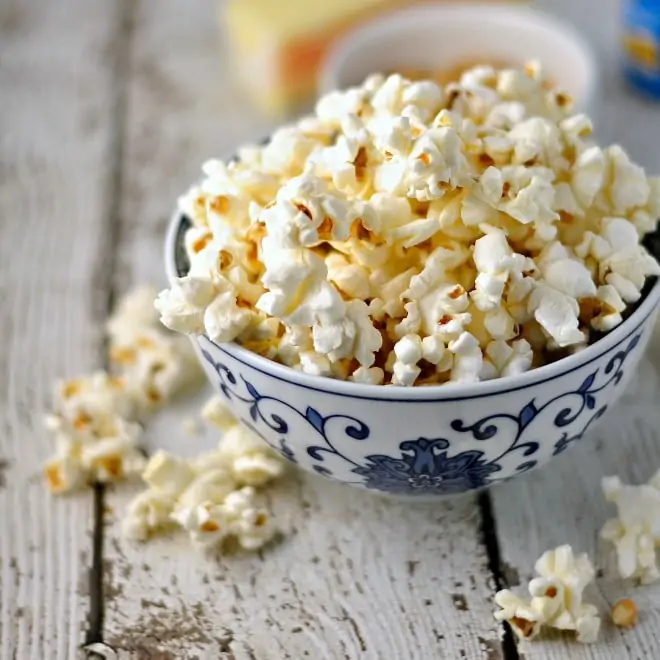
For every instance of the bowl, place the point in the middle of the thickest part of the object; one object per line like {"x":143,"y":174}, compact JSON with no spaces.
{"x":426,"y":442}
{"x":434,"y":37}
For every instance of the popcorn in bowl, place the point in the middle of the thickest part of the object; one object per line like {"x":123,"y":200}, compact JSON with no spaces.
{"x":413,"y":234}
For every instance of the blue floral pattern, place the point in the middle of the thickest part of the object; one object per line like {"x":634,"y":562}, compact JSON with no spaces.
{"x":426,"y":466}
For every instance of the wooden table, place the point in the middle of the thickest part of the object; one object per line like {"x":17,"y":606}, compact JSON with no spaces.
{"x":107,"y":110}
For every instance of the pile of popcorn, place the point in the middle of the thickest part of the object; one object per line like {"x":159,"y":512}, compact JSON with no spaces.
{"x":97,"y":425}
{"x":412,"y":234}
{"x":96,"y":421}
{"x":212,"y":496}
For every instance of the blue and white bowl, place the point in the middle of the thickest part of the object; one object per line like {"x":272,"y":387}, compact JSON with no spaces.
{"x":427,"y":441}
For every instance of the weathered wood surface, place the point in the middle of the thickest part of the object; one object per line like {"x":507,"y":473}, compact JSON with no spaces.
{"x":355,"y":576}
{"x":94,"y":150}
{"x":56,"y":79}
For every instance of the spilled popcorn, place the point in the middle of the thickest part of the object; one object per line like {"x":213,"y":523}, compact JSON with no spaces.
{"x":636,"y":531}
{"x":94,"y":439}
{"x":96,"y":418}
{"x":213,"y":497}
{"x":556,"y":598}
{"x":413,"y":234}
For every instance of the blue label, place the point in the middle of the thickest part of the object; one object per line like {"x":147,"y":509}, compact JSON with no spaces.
{"x":641,"y":44}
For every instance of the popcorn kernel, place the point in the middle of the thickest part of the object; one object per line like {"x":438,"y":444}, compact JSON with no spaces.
{"x":624,"y":613}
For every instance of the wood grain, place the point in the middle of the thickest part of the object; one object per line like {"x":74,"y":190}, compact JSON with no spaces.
{"x":56,"y":88}
{"x":355,"y":576}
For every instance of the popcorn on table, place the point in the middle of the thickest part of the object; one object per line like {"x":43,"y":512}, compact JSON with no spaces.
{"x":94,"y":439}
{"x":211,"y":496}
{"x":95,"y":421}
{"x":636,"y":531}
{"x":412,"y":234}
{"x":556,"y":598}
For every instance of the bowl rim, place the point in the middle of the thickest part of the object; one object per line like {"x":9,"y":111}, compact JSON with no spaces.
{"x":431,"y":393}
{"x":349,"y":45}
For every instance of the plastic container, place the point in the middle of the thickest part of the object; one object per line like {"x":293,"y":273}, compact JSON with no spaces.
{"x":641,"y":45}
{"x":435,"y":36}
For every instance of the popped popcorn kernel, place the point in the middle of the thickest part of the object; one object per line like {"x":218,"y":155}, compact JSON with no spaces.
{"x":406,"y":208}
{"x":556,"y":598}
{"x":635,"y":532}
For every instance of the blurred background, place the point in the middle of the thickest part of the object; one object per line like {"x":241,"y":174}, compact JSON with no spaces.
{"x":283,"y":53}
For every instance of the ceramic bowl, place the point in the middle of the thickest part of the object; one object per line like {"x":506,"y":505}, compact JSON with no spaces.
{"x":427,"y":441}
{"x":443,"y":37}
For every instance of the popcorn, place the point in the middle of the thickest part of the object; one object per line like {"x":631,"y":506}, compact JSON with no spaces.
{"x":64,"y":472}
{"x":537,"y":139}
{"x":603,"y":311}
{"x":114,"y":457}
{"x":408,"y":352}
{"x":563,"y":572}
{"x":636,"y":530}
{"x":167,"y":474}
{"x":475,"y":217}
{"x":557,"y":313}
{"x":588,"y":175}
{"x":468,"y":358}
{"x":298,"y":292}
{"x":183,"y":306}
{"x":147,"y":513}
{"x":556,"y":598}
{"x":111,"y":456}
{"x":368,"y":375}
{"x":524,"y":621}
{"x":215,"y":412}
{"x":251,"y":523}
{"x":434,"y":350}
{"x":628,"y":186}
{"x":94,"y":422}
{"x":570,"y":277}
{"x":211,"y":496}
{"x":315,"y":364}
{"x":156,"y":366}
{"x":224,"y":320}
{"x":252,"y":461}
{"x":350,"y":279}
{"x":134,"y":310}
{"x":205,"y":523}
{"x":510,"y":360}
{"x":212,"y":482}
{"x":404,"y":373}
{"x":94,"y":442}
{"x":500,"y":324}
{"x":435,"y":163}
{"x":287,"y":151}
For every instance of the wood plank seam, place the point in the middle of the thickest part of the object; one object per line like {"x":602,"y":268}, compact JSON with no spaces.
{"x":103,"y":277}
{"x":489,"y":535}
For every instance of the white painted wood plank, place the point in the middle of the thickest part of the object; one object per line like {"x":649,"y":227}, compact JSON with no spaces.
{"x":563,"y":502}
{"x":355,"y":576}
{"x":55,"y":79}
